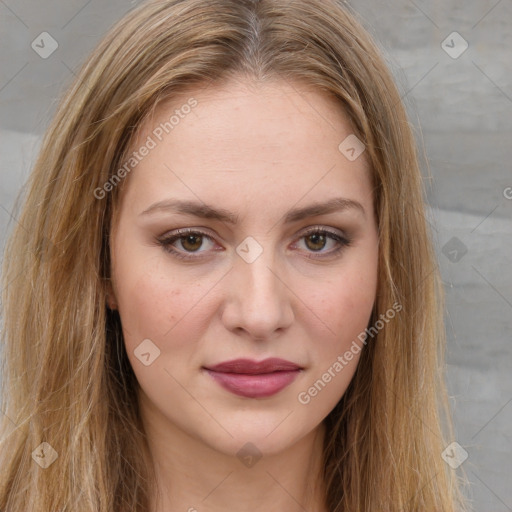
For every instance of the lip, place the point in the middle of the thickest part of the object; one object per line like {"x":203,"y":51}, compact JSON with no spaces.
{"x":254,"y":379}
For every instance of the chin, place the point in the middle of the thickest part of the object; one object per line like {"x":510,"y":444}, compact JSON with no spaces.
{"x":262,"y":435}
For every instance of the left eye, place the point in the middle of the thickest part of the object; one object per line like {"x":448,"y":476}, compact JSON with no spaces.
{"x":317,"y":239}
{"x":191,"y":241}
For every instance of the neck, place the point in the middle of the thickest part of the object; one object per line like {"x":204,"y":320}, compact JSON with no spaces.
{"x":192,"y":476}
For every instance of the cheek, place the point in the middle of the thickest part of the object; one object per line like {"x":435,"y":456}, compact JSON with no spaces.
{"x":345,"y":308}
{"x":150,"y":304}
{"x":350,"y":297}
{"x":171,"y":317}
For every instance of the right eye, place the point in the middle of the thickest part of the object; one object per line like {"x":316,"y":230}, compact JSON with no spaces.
{"x":190,"y":241}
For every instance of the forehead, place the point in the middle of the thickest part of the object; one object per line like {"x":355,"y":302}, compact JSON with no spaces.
{"x":275,"y":138}
{"x":221,"y":105}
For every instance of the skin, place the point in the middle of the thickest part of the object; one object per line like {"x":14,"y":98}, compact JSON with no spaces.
{"x":257,"y":150}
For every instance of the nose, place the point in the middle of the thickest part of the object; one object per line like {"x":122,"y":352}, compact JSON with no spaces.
{"x":258,"y":298}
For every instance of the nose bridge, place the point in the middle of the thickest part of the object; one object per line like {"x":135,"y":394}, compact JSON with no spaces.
{"x":255,"y":270}
{"x":261,"y":298}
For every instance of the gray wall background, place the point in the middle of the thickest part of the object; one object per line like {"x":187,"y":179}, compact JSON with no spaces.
{"x":461,"y":107}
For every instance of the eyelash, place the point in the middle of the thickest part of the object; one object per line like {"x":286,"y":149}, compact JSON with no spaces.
{"x":167,"y":241}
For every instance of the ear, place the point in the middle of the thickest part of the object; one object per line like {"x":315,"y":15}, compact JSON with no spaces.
{"x":111,"y":296}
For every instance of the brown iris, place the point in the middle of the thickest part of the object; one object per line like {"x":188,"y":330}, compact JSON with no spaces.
{"x":190,"y":238}
{"x":320,"y":238}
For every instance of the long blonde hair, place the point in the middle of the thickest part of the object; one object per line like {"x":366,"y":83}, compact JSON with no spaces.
{"x":66,"y":377}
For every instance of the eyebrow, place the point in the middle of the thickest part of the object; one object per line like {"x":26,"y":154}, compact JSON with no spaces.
{"x":208,"y":212}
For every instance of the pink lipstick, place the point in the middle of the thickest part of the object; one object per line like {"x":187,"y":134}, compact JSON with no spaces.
{"x":253,"y":379}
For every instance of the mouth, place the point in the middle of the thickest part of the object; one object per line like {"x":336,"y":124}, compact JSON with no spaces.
{"x":253,"y":379}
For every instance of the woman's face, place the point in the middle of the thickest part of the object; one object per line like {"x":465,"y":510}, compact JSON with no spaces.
{"x":262,"y":275}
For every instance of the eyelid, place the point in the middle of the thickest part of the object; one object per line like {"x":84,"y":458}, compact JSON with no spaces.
{"x":342,"y":238}
{"x":319,"y":227}
{"x":205,"y":232}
